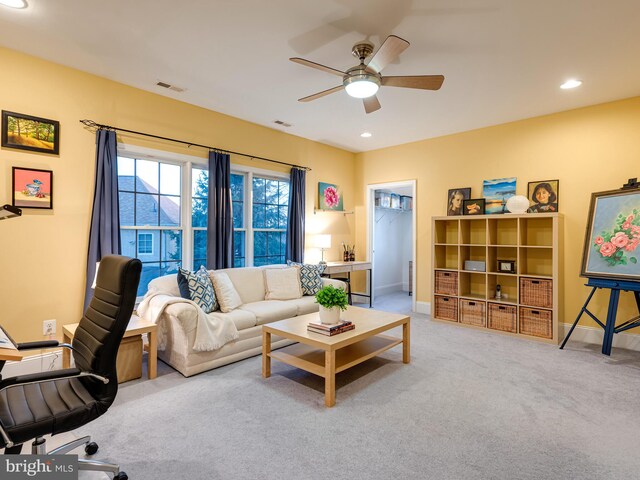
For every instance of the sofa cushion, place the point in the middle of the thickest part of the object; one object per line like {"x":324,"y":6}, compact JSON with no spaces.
{"x":310,"y":277}
{"x":198,"y":286}
{"x":241,"y":318}
{"x":226,"y":293}
{"x":282,"y":283}
{"x":166,"y":284}
{"x":306,"y":304}
{"x":268,"y":311}
{"x":248,"y":282}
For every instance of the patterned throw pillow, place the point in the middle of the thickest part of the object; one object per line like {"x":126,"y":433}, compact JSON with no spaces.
{"x":310,"y":277}
{"x":199,"y":287}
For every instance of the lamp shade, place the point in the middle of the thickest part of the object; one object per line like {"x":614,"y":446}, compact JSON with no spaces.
{"x":323,"y":241}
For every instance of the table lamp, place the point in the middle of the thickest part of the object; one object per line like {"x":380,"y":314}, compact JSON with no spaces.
{"x":323,"y":242}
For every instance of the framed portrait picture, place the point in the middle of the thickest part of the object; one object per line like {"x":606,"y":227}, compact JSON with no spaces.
{"x":455,"y":197}
{"x":330,"y":197}
{"x":613,"y":236}
{"x":544,"y":195}
{"x":32,"y":188}
{"x":497,"y":192}
{"x":473,"y":206}
{"x":35,"y":134}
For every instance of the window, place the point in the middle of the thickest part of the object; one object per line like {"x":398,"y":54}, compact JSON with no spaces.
{"x":158,"y":211}
{"x":150,"y":226}
{"x":265,"y":222}
{"x":145,"y":243}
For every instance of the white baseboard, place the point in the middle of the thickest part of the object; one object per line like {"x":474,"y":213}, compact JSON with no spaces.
{"x":594,"y":335}
{"x":423,"y":307}
{"x":34,"y":364}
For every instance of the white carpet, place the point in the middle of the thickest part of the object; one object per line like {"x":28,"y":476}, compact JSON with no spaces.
{"x":471,"y":405}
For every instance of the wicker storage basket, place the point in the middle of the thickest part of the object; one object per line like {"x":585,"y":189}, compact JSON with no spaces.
{"x":446,"y":283}
{"x":536,"y":292}
{"x":502,"y":317}
{"x":472,"y":312}
{"x":447,"y":308}
{"x":537,"y":323}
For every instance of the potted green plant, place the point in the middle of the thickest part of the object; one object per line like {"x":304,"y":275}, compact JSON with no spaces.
{"x":332,"y":300}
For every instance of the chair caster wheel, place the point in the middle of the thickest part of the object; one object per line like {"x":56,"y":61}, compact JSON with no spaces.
{"x":121,"y":476}
{"x":91,"y":448}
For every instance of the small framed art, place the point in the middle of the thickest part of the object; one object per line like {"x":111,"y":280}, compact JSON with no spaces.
{"x":35,"y":134}
{"x":455,"y":197}
{"x":544,"y":195}
{"x":32,"y":188}
{"x":506,"y":266}
{"x":473,"y":206}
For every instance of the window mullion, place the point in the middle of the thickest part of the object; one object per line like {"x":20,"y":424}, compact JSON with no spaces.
{"x":248,"y":245}
{"x":186,"y":214}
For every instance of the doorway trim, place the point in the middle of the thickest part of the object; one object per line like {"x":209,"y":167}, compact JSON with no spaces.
{"x":370,"y":205}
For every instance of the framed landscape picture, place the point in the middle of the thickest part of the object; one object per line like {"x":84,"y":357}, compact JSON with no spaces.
{"x":35,"y":134}
{"x":330,"y":197}
{"x":32,"y":188}
{"x":497,"y":192}
{"x":613,"y":236}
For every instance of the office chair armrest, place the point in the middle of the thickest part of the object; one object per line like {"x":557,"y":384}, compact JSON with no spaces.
{"x":38,"y":377}
{"x":42,"y":344}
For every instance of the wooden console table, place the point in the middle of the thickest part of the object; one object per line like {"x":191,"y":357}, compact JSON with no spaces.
{"x":137,"y":326}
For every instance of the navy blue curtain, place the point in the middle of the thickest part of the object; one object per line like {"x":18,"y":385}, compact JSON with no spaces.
{"x":220,"y":215}
{"x":295,"y":226}
{"x":104,"y":236}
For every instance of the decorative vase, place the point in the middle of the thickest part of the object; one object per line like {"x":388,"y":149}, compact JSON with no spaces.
{"x":352,"y":257}
{"x":345,"y":256}
{"x":329,"y":316}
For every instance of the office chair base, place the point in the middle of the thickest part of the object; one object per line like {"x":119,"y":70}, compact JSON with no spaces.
{"x":39,"y":447}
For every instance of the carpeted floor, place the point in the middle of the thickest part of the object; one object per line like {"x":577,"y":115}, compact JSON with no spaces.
{"x":471,"y":405}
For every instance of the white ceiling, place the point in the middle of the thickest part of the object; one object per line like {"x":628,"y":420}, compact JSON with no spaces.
{"x":503,"y":60}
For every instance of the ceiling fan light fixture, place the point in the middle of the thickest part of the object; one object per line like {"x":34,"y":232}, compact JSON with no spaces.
{"x":362,"y":86}
{"x":14,"y":3}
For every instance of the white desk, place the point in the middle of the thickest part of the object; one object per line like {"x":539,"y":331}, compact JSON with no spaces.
{"x":348,"y":267}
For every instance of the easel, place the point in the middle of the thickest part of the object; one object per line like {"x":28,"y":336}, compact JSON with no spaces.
{"x":615,"y":287}
{"x":610,"y":326}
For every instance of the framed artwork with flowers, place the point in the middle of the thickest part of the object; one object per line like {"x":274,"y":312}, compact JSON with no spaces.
{"x":612,"y":240}
{"x":330,"y":197}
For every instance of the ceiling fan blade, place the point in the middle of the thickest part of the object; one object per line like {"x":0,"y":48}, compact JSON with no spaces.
{"x":388,"y":52}
{"x":324,"y":68}
{"x":424,"y":82}
{"x":371,"y":104}
{"x":321,"y":94}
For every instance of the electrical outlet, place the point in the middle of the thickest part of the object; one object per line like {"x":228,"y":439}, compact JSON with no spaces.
{"x":49,"y":327}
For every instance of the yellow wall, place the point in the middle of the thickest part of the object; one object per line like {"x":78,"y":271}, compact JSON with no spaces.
{"x":589,"y":150}
{"x":43,"y":253}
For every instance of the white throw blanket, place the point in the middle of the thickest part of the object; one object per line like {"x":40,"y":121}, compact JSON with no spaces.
{"x":212,"y":331}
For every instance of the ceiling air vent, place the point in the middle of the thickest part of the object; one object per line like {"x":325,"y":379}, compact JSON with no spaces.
{"x":170,"y":87}
{"x":280,"y":122}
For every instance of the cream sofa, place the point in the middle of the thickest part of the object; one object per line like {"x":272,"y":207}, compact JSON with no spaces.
{"x":180,"y":321}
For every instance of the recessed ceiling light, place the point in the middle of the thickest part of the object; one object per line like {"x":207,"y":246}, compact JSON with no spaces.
{"x":571,"y":84}
{"x":14,"y":3}
{"x":365,"y":134}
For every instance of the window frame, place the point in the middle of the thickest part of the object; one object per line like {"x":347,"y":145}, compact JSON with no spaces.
{"x":187,"y":163}
{"x":147,"y":235}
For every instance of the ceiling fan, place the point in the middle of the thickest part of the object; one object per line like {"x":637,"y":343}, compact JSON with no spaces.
{"x":363,"y":80}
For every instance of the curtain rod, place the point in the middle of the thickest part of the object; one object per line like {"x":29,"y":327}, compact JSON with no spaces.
{"x":92,"y":124}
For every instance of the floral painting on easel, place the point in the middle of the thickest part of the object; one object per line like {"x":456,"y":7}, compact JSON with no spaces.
{"x":329,"y":197}
{"x":612,"y":244}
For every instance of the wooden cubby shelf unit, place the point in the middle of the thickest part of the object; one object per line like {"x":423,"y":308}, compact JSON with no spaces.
{"x":531,"y":296}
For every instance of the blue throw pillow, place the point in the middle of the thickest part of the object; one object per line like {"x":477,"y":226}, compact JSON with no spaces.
{"x":197,"y":286}
{"x":310,"y":277}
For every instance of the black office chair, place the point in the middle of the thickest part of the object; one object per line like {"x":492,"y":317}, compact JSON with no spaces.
{"x":55,"y":402}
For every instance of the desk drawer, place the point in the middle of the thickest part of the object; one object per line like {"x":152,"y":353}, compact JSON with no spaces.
{"x":361,"y":266}
{"x":330,"y":270}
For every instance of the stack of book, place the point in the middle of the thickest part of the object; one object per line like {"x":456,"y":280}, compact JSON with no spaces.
{"x":330,"y":330}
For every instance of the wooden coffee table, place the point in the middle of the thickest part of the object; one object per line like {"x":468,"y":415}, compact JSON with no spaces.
{"x":325,"y":356}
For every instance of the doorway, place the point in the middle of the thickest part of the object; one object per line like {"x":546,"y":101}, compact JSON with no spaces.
{"x":391,"y":241}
